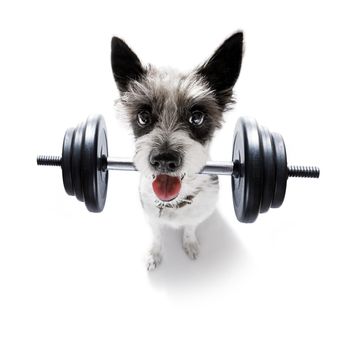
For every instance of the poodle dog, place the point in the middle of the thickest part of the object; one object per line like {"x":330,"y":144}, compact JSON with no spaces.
{"x":173,"y":116}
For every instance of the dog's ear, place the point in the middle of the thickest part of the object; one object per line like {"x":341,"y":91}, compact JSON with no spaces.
{"x":126,"y":65}
{"x":221,"y":71}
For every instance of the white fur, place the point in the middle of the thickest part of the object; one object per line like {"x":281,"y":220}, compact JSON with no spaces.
{"x":172,"y":85}
{"x":186,"y":218}
{"x":190,"y":215}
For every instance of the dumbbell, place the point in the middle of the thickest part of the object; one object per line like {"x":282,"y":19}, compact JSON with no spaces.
{"x":258,"y":169}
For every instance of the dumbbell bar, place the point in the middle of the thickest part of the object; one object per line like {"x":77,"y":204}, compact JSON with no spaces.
{"x":258,"y":169}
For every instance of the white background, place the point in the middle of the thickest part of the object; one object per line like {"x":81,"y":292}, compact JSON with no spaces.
{"x":70,"y":279}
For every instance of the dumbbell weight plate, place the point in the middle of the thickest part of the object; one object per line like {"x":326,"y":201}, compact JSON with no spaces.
{"x":247,"y":187}
{"x":281,"y":170}
{"x":269,"y":167}
{"x":66,"y":162}
{"x":95,"y":149}
{"x":76,"y":155}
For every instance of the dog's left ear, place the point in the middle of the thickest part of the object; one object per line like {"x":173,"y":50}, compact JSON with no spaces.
{"x":221,"y":71}
{"x":126,"y":65}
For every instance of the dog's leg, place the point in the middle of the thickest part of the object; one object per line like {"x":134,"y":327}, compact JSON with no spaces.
{"x":190,"y":242}
{"x":154,"y":256}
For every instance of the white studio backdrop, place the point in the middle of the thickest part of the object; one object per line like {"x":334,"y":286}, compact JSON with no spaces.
{"x":70,"y":279}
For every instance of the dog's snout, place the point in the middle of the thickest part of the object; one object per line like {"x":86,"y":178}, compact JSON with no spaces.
{"x":166,"y":162}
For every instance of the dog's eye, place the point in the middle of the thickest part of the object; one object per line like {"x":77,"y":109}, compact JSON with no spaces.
{"x":197,"y":118}
{"x":144,"y":117}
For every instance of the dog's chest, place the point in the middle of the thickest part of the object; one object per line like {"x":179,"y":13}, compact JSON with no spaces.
{"x":197,"y":199}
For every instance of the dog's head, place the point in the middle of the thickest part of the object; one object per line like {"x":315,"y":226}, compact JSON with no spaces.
{"x":174,"y":115}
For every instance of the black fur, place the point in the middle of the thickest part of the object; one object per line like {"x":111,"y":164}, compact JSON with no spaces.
{"x":140,"y":130}
{"x":221,"y":71}
{"x":126,"y":65}
{"x":201,"y":133}
{"x":184,"y":107}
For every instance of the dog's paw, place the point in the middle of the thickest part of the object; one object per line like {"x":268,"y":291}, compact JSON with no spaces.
{"x":191,"y":248}
{"x":153,"y":260}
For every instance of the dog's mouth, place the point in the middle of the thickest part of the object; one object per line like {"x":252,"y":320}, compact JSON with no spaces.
{"x":167,"y":187}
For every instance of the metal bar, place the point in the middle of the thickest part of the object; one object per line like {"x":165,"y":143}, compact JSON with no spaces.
{"x":215,"y":168}
{"x":120,"y":164}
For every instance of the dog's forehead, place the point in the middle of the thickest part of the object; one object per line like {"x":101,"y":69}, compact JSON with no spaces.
{"x":171,"y":85}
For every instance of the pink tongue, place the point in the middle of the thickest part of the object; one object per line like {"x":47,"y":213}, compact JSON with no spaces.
{"x":166,"y":187}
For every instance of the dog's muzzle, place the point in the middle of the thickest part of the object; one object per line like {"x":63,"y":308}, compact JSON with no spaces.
{"x":165,"y":185}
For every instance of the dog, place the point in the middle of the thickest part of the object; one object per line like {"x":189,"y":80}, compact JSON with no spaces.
{"x":174,"y":116}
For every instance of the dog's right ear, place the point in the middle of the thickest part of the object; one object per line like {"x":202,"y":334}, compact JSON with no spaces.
{"x":126,"y":65}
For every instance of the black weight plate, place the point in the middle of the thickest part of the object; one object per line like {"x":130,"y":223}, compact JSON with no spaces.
{"x":94,"y":178}
{"x":269,"y":170}
{"x":77,"y":145}
{"x":247,"y":187}
{"x":66,"y":162}
{"x":281,"y":170}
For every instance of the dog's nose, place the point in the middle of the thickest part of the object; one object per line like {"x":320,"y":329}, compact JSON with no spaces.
{"x":165,"y":162}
